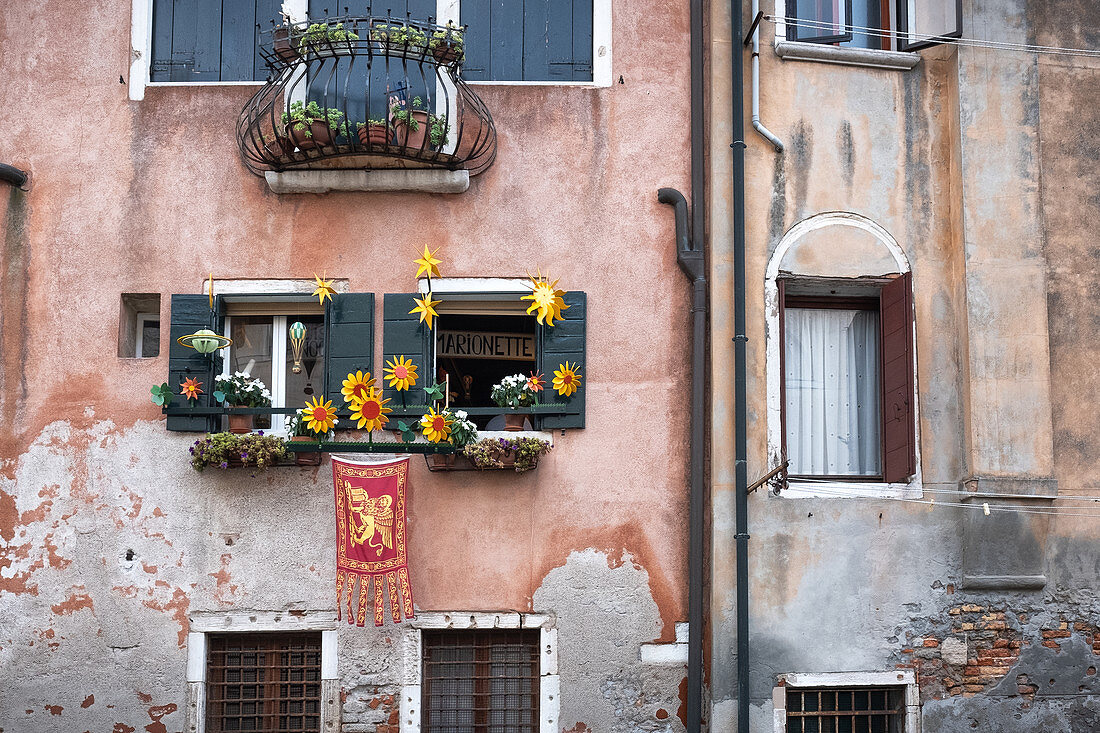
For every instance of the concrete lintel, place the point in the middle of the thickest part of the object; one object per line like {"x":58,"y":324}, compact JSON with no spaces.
{"x":990,"y":487}
{"x":799,"y":51}
{"x":420,"y":180}
{"x":1004,"y":582}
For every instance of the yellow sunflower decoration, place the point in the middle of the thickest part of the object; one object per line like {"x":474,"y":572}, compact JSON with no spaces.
{"x":319,"y":415}
{"x":546,"y":300}
{"x":426,"y":308}
{"x":371,"y":412}
{"x":427,"y":264}
{"x":567,"y":379}
{"x":436,"y":426}
{"x":324,"y":288}
{"x":356,"y":387}
{"x":191,"y":388}
{"x":401,"y":372}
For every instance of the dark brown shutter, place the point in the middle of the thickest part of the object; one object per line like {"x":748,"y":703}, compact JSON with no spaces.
{"x":898,"y":429}
{"x":781,"y":285}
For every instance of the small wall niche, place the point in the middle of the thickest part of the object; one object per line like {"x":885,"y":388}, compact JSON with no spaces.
{"x":139,"y":326}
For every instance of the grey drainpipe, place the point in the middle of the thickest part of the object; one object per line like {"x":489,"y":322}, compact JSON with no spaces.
{"x":756,"y":123}
{"x":14,"y":176}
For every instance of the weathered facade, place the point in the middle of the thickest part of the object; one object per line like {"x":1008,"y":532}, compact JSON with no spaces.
{"x":974,"y":169}
{"x":118,"y":562}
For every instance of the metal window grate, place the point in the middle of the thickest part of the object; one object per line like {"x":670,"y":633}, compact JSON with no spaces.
{"x":846,"y":710}
{"x":481,"y":681}
{"x":263,"y":682}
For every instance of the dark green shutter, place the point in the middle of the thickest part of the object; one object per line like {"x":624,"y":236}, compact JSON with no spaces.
{"x":536,"y":40}
{"x":189,"y":314}
{"x":558,"y":344}
{"x":209,"y":40}
{"x":404,"y":335}
{"x":349,"y":341}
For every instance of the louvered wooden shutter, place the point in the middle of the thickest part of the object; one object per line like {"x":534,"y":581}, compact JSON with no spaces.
{"x":349,"y":340}
{"x":404,"y":335}
{"x":209,"y":40}
{"x":898,"y":431}
{"x":533,"y":40}
{"x":565,"y":341}
{"x":189,"y":314}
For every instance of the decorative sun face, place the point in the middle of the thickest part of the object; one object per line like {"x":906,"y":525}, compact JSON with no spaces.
{"x":356,"y":387}
{"x":567,"y":379}
{"x":319,"y":415}
{"x":401,"y":373}
{"x":324,"y":288}
{"x":436,"y":426}
{"x":427,"y":263}
{"x":426,"y":308}
{"x":546,"y":300}
{"x":191,"y":388}
{"x":536,"y":382}
{"x":371,"y":412}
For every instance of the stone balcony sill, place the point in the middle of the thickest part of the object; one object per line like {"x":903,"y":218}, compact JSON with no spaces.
{"x":824,"y":53}
{"x":419,"y":180}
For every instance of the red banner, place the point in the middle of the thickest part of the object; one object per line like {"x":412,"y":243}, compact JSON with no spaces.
{"x":370,"y":538}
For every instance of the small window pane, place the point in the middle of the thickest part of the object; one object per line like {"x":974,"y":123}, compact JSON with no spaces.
{"x":307,"y":381}
{"x":150,"y":337}
{"x":821,"y":21}
{"x":251,"y":353}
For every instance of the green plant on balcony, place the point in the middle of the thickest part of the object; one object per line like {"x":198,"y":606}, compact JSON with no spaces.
{"x":447,"y":44}
{"x":225,"y":450}
{"x":311,"y":125}
{"x":408,"y":121}
{"x":519,"y":453}
{"x":399,"y":36}
{"x":320,"y":37}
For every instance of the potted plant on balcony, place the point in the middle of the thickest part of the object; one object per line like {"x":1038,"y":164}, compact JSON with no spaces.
{"x":514,"y":393}
{"x":226,"y":450}
{"x":241,"y":390}
{"x":374,"y":133}
{"x":463,"y":433}
{"x":393,"y":38}
{"x":284,"y":37}
{"x":311,"y":126}
{"x":413,"y":124}
{"x":494,"y":453}
{"x":447,"y":44}
{"x":327,"y":40}
{"x":298,"y":432}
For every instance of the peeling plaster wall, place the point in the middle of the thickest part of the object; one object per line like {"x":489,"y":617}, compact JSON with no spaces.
{"x":982,"y":164}
{"x":149,"y":197}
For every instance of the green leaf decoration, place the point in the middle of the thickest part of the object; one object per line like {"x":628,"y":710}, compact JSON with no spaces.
{"x":408,"y":434}
{"x":219,"y":396}
{"x":435,"y":392}
{"x":161,"y":394}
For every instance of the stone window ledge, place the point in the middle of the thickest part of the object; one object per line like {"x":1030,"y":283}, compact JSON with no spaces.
{"x":824,"y":53}
{"x":388,"y":179}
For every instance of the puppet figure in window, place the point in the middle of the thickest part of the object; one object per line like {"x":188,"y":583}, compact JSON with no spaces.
{"x":370,"y":516}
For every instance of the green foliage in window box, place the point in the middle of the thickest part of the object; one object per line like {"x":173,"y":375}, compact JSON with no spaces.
{"x":223,"y":450}
{"x":241,"y":390}
{"x":498,"y":452}
{"x":463,"y":429}
{"x":447,"y":42}
{"x":302,"y":116}
{"x":320,"y":36}
{"x":514,"y":391}
{"x":399,"y":35}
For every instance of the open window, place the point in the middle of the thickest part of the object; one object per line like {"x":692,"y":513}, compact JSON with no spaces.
{"x":901,"y":25}
{"x":846,"y":365}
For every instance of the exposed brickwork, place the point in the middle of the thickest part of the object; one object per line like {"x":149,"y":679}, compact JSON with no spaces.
{"x":371,"y":709}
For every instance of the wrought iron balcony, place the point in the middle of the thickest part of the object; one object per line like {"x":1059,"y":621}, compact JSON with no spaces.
{"x":370,"y":93}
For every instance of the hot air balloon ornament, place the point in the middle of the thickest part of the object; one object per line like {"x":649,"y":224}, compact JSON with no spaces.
{"x":297,"y":333}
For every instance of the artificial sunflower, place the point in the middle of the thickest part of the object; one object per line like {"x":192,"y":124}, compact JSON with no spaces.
{"x":191,"y":388}
{"x":547,"y":302}
{"x":401,"y":372}
{"x":426,"y":308}
{"x":371,"y":412}
{"x":436,"y":426}
{"x":319,"y":415}
{"x":536,"y":382}
{"x":356,"y":387}
{"x":427,"y":263}
{"x":567,"y":379}
{"x":324,"y":288}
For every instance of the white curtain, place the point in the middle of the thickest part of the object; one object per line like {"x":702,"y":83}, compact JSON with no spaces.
{"x":831,"y":378}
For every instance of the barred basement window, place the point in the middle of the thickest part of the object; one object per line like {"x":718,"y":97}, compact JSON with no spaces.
{"x":264,"y":682}
{"x":846,"y":710}
{"x":481,"y":681}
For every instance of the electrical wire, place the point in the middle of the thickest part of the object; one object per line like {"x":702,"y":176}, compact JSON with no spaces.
{"x":960,"y":492}
{"x":872,"y":32}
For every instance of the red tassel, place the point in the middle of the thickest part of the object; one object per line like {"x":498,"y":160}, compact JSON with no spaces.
{"x":395,"y":607}
{"x":406,"y":592}
{"x":364,"y":588}
{"x":339,"y":593}
{"x":379,"y":603}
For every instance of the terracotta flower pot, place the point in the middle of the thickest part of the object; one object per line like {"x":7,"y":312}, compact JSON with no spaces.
{"x":240,"y":423}
{"x":283,"y":48}
{"x":445,"y":54}
{"x":441,"y":460}
{"x":320,"y":133}
{"x":280,"y":147}
{"x":373,"y":135}
{"x":305,"y":459}
{"x":513,"y":421}
{"x":409,"y":138}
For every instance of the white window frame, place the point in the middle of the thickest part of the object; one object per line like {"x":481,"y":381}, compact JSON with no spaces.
{"x":139,"y":340}
{"x":257,"y":622}
{"x":846,"y":55}
{"x":902,"y":678}
{"x":825,"y":489}
{"x":278,"y":369}
{"x":549,"y":681}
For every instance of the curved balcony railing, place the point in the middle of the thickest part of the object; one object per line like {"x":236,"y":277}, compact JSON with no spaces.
{"x":365,"y":93}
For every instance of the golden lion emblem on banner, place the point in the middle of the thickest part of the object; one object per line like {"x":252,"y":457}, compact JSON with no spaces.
{"x":369,"y":517}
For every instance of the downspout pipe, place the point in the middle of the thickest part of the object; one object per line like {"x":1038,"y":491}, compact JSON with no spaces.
{"x":740,"y":339}
{"x":756,"y":124}
{"x":13,"y":175}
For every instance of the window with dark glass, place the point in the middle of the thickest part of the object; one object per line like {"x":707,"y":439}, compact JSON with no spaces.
{"x":480,"y":681}
{"x":846,"y":710}
{"x":263,"y":682}
{"x":900,"y":25}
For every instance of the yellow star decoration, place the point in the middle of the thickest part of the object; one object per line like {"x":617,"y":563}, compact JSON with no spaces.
{"x":545,"y":299}
{"x":356,"y":387}
{"x":426,"y":308}
{"x":371,"y":412}
{"x":567,"y":379}
{"x":324,"y":288}
{"x":319,"y":415}
{"x":401,"y":372}
{"x":436,"y":426}
{"x":427,"y":263}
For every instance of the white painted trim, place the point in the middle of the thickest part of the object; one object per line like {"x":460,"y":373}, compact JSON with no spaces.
{"x":412,"y":648}
{"x":196,"y":656}
{"x":205,"y":83}
{"x":329,"y":664}
{"x":270,"y":286}
{"x":217,"y":622}
{"x":898,"y":678}
{"x":475,"y":285}
{"x":827,"y":489}
{"x":141,"y":47}
{"x":847,"y":55}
